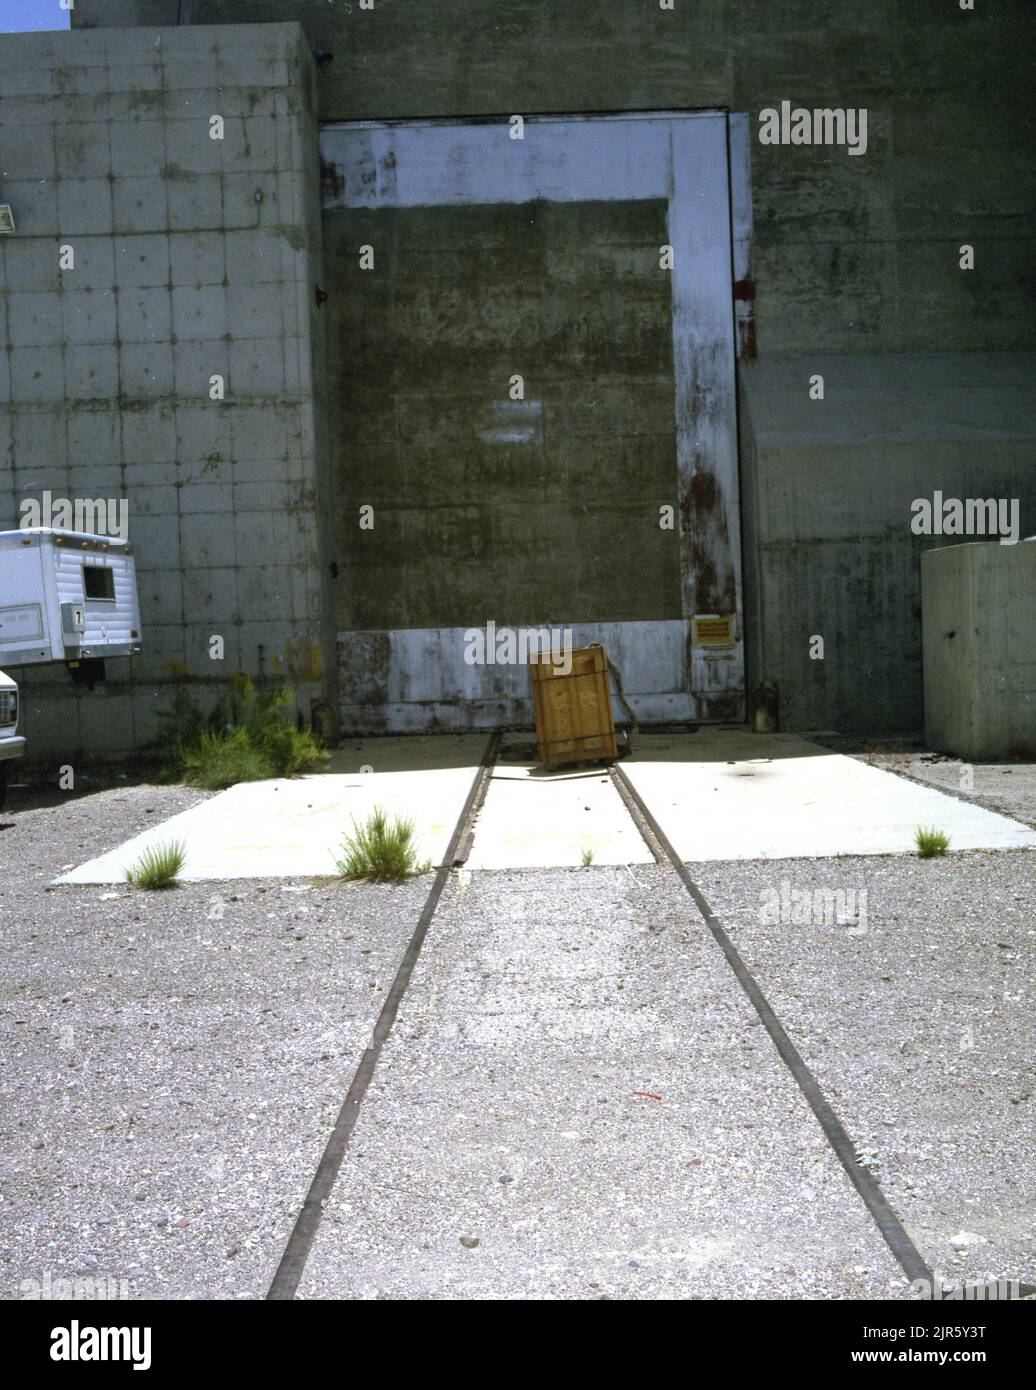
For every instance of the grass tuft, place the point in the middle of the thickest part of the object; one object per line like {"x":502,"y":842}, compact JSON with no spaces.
{"x":248,"y":737}
{"x":930,"y":842}
{"x":588,"y":858}
{"x":220,"y":760}
{"x":380,"y":851}
{"x":158,"y":866}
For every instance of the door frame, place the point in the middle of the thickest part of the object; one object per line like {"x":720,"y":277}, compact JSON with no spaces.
{"x":699,"y":163}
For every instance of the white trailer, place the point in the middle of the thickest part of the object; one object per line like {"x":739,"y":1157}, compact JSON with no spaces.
{"x":66,"y":596}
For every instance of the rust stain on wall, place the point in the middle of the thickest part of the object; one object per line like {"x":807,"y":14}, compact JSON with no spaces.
{"x":708,"y":545}
{"x":305,"y":658}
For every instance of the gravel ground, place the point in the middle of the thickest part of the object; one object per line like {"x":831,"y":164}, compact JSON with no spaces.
{"x":173,"y":1061}
{"x":916,"y":1015}
{"x":503,"y":1151}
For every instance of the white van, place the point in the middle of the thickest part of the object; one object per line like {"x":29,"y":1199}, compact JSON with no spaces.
{"x":11,"y":745}
{"x":66,"y":596}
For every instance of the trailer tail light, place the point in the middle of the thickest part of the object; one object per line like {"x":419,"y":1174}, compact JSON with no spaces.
{"x":8,"y":707}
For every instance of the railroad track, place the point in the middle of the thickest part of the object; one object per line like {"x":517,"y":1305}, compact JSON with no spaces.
{"x":300,"y":1242}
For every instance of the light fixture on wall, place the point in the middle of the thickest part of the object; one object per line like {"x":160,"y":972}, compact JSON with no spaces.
{"x":6,"y":218}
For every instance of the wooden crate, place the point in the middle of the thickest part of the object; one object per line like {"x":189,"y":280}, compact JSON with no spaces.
{"x":574,"y":721}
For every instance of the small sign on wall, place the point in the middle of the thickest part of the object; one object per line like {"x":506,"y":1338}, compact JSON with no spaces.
{"x":713,"y":630}
{"x":6,"y":218}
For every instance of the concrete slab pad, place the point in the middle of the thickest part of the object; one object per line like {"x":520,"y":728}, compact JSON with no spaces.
{"x":719,"y":794}
{"x":289,"y":827}
{"x":535,"y":819}
{"x":732,"y":794}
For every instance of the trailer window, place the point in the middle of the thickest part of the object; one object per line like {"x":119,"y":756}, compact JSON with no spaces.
{"x":98,"y":581}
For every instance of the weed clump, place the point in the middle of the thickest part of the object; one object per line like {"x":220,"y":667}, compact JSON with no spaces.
{"x":247,"y":737}
{"x":930,"y":842}
{"x":380,"y":851}
{"x":158,"y":866}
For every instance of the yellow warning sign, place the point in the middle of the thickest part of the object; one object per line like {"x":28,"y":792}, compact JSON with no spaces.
{"x":712,"y":630}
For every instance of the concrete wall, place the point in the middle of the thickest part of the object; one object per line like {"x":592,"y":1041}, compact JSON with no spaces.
{"x":828,"y":488}
{"x":851,"y":254}
{"x":979,"y":605}
{"x":180,"y":273}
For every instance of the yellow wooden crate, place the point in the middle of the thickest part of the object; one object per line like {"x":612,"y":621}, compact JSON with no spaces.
{"x":574,"y":721}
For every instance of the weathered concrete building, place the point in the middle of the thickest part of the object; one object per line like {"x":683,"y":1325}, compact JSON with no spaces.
{"x":369,"y":258}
